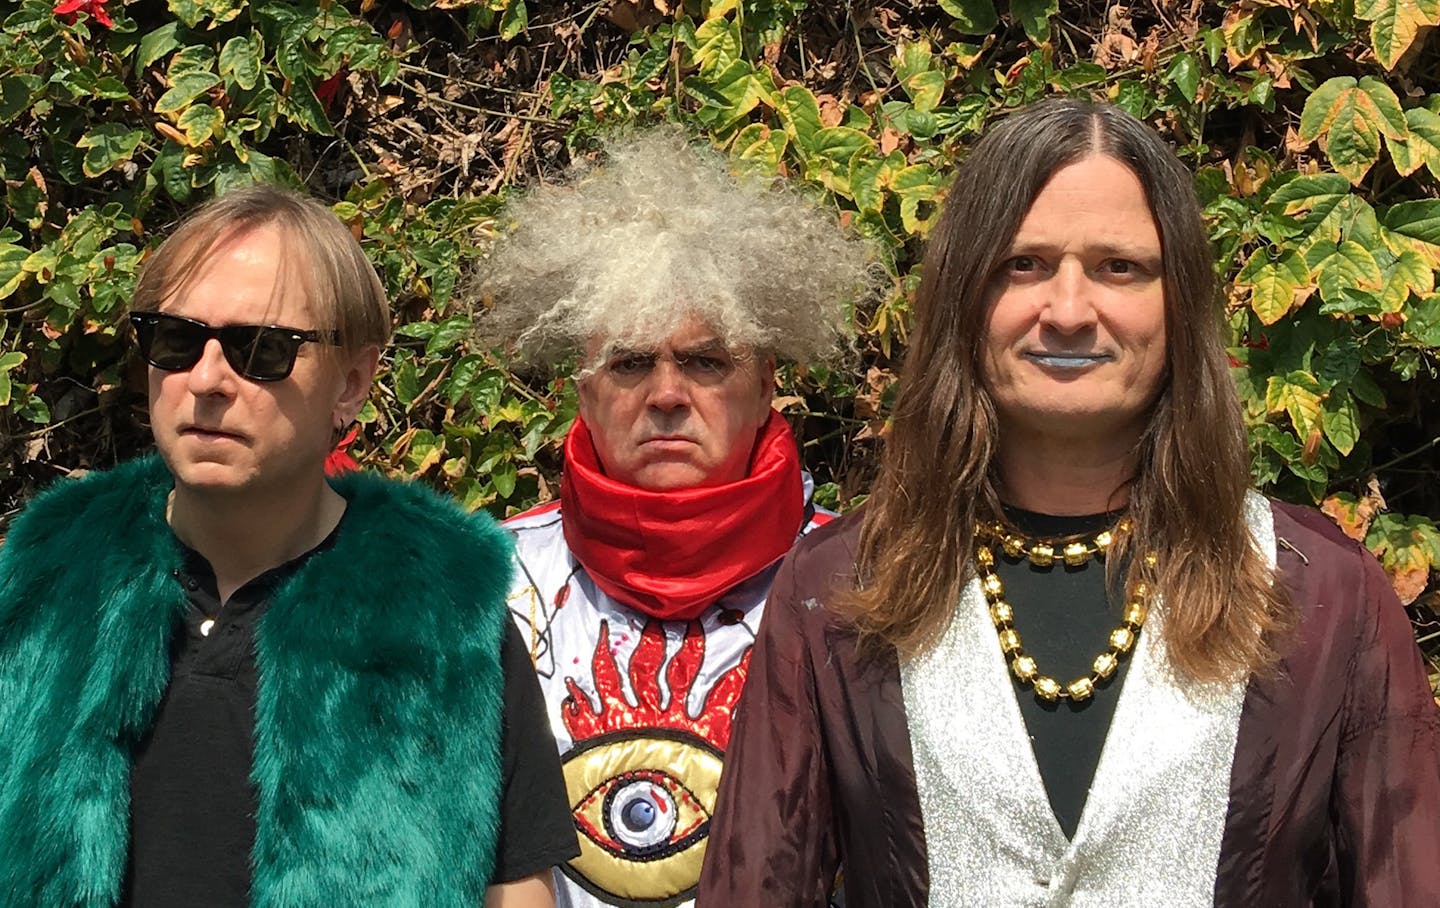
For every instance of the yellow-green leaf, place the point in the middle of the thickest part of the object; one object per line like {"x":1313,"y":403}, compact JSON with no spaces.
{"x":1409,"y":273}
{"x":1341,"y":420}
{"x":719,"y":44}
{"x":514,"y":20}
{"x":1421,"y":147}
{"x":1298,"y":395}
{"x":1348,"y":118}
{"x":12,"y":268}
{"x":1394,"y":25}
{"x":1275,"y":286}
{"x":802,"y":114}
{"x":758,"y":145}
{"x":193,"y":12}
{"x":926,"y":89}
{"x":1034,"y":17}
{"x":107,"y":146}
{"x":185,"y":88}
{"x":1318,"y":203}
{"x":1336,"y":267}
{"x":972,"y":17}
{"x":199,"y":122}
{"x":1416,"y":225}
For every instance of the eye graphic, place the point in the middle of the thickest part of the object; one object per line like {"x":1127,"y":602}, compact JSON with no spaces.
{"x":641,"y":804}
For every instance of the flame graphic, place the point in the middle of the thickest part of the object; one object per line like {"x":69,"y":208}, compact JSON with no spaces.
{"x":616,"y":713}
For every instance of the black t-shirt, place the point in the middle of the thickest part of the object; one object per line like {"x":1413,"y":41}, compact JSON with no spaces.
{"x":1064,"y":616}
{"x":193,"y":807}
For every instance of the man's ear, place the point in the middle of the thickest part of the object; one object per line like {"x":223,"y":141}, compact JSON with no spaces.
{"x":358,"y":376}
{"x":765,"y":365}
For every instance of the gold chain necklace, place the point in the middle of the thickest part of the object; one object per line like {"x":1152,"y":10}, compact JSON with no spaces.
{"x":1074,"y":552}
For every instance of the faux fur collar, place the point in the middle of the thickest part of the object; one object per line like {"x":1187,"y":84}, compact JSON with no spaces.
{"x":377,"y":746}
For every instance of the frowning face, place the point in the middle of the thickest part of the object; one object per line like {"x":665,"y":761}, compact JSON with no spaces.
{"x":1075,"y":337}
{"x":681,"y":415}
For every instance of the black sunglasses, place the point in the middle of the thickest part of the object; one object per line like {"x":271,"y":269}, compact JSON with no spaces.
{"x":258,"y":352}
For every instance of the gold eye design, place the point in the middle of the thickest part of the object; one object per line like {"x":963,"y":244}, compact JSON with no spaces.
{"x":642,"y":803}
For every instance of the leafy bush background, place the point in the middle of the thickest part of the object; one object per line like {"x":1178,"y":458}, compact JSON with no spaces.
{"x":1313,"y":129}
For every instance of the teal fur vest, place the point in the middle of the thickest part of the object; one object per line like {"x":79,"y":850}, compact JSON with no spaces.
{"x":377,"y":739}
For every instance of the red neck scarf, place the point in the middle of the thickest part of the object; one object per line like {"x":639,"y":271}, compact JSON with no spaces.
{"x":671,"y":554}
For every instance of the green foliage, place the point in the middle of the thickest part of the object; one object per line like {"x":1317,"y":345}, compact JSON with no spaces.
{"x":1313,"y":128}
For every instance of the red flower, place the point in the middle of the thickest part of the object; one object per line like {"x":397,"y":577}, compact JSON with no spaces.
{"x":340,"y":460}
{"x":95,"y":9}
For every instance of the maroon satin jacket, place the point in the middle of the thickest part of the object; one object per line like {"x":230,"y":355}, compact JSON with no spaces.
{"x":1334,"y":791}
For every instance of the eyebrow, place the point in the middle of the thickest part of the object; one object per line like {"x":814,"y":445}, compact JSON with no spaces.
{"x":1118,"y":250}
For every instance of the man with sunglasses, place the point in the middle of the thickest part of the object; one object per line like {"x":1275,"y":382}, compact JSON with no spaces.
{"x":225,"y":681}
{"x":674,"y":288}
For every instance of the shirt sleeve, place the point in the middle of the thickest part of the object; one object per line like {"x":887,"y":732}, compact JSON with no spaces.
{"x":771,"y":841}
{"x":537,"y":829}
{"x":1387,"y":787}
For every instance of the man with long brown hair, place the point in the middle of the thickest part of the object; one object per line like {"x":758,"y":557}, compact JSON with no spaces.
{"x":1064,"y":655}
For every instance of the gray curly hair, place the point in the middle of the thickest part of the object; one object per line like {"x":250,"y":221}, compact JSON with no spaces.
{"x":626,"y":250}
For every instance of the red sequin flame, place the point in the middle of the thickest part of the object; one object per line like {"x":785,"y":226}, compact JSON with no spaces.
{"x":616,"y":713}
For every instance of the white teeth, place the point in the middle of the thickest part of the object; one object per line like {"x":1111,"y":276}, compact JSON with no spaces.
{"x":1066,"y":361}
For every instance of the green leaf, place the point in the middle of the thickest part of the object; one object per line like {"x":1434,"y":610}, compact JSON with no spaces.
{"x":1410,"y":273}
{"x":911,"y":59}
{"x":1421,"y":147}
{"x":926,"y":89}
{"x":1348,"y":118}
{"x":503,"y":477}
{"x":1184,"y":74}
{"x":719,"y":44}
{"x":156,"y":44}
{"x":16,"y":93}
{"x":184,"y":89}
{"x":108,"y":146}
{"x":972,"y":17}
{"x":757,"y":145}
{"x":1034,"y":17}
{"x":199,"y":122}
{"x":1416,"y":225}
{"x":1341,"y":421}
{"x":1395,"y":24}
{"x":1337,"y":267}
{"x":1423,"y":323}
{"x":802,"y":115}
{"x":447,"y":334}
{"x":12,"y":268}
{"x":1298,"y":395}
{"x":240,"y":61}
{"x":193,"y":12}
{"x":514,"y":21}
{"x":1274,"y":285}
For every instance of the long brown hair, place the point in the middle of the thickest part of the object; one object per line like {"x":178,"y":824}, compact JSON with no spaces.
{"x":938,"y":478}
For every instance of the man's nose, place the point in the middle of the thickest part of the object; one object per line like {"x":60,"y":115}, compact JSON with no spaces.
{"x":669,"y":388}
{"x":212,"y":373}
{"x":1070,"y":304}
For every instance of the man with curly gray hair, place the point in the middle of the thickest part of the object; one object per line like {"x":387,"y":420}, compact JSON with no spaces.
{"x":675,"y":287}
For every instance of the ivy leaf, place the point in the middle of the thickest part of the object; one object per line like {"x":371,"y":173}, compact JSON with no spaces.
{"x":156,"y":44}
{"x":240,"y":61}
{"x":1319,"y":201}
{"x":1343,"y":266}
{"x":1276,"y":286}
{"x":1341,"y":420}
{"x":12,"y":268}
{"x":514,"y":21}
{"x":185,"y":88}
{"x":1394,"y":25}
{"x":1034,"y":17}
{"x":1408,"y":547}
{"x":1416,"y":225}
{"x":1422,"y":147}
{"x":108,"y":146}
{"x":1423,"y":323}
{"x":972,"y":17}
{"x":1298,"y":395}
{"x":1348,"y":118}
{"x":193,"y":12}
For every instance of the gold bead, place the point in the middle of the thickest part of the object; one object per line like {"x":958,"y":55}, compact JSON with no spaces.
{"x":1009,"y":641}
{"x":1048,"y":688}
{"x":1151,"y":559}
{"x":1080,"y":689}
{"x":1125,"y":525}
{"x":1014,"y":545}
{"x":1103,"y":541}
{"x":1042,"y":555}
{"x":1135,"y":614}
{"x":1121,"y":639}
{"x":1076,"y":554}
{"x":1024,"y":668}
{"x":1105,"y":665}
{"x":984,"y":556}
{"x":992,"y":585}
{"x":1001,"y":613}
{"x":1142,"y":590}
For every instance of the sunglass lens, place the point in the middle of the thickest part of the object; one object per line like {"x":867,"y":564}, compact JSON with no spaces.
{"x":173,"y":344}
{"x":263,"y":354}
